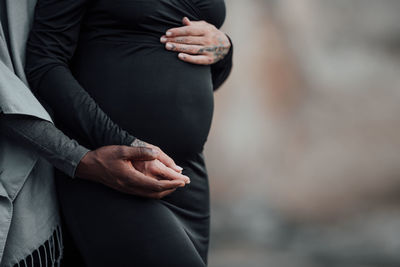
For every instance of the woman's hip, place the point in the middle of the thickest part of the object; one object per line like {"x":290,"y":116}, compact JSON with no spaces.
{"x":102,"y":219}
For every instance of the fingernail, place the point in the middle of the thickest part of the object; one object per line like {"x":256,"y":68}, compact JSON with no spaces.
{"x":188,"y":180}
{"x":169,"y":46}
{"x":169,"y":33}
{"x":163,"y":39}
{"x":179,"y":168}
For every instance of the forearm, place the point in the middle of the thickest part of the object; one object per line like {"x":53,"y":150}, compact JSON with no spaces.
{"x":45,"y":139}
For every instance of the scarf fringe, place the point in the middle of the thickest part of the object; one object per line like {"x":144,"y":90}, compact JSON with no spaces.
{"x":53,"y":250}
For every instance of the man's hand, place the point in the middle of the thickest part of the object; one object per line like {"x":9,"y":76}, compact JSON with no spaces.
{"x":197,"y":42}
{"x":112,"y":166}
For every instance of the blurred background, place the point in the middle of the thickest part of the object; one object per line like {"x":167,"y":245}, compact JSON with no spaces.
{"x":304,"y":151}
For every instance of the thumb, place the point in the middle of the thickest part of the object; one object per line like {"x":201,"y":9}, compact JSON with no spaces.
{"x":186,"y":21}
{"x":140,"y":153}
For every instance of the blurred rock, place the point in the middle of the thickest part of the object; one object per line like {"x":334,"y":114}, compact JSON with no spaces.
{"x":304,"y":153}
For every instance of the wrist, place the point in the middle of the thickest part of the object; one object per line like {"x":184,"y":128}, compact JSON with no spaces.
{"x":230,"y":45}
{"x":228,"y":40}
{"x":84,"y":165}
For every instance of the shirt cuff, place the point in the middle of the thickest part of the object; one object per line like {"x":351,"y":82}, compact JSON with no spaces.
{"x":76,"y":156}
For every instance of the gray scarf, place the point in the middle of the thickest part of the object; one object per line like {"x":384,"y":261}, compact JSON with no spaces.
{"x":28,"y":207}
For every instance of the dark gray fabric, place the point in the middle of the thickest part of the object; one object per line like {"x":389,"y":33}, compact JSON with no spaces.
{"x":46,"y":140}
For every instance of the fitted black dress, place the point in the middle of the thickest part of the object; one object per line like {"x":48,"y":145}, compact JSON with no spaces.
{"x":111,"y":49}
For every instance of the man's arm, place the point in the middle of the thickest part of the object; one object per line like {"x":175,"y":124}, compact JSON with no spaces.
{"x":45,"y":139}
{"x":109,"y":165}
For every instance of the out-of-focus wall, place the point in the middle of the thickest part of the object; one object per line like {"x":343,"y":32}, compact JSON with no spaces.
{"x":304,"y":151}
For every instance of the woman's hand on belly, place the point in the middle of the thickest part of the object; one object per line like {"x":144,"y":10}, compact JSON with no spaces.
{"x":198,"y":42}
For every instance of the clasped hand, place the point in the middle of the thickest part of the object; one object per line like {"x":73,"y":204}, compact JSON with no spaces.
{"x":140,"y":169}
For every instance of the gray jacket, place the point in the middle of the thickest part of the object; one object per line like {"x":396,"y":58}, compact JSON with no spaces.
{"x":28,"y":207}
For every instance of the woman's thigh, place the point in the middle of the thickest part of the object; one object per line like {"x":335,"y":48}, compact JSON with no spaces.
{"x":114,"y":229}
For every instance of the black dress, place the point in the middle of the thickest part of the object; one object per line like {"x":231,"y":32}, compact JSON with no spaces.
{"x":111,"y":48}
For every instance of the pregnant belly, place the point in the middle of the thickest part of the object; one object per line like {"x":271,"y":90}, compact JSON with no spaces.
{"x":149,"y":92}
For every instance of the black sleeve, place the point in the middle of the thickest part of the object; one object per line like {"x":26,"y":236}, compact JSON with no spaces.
{"x":51,"y":45}
{"x":45,"y":139}
{"x":221,"y":70}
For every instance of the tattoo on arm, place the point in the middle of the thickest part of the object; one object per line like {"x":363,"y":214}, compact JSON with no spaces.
{"x":139,"y":143}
